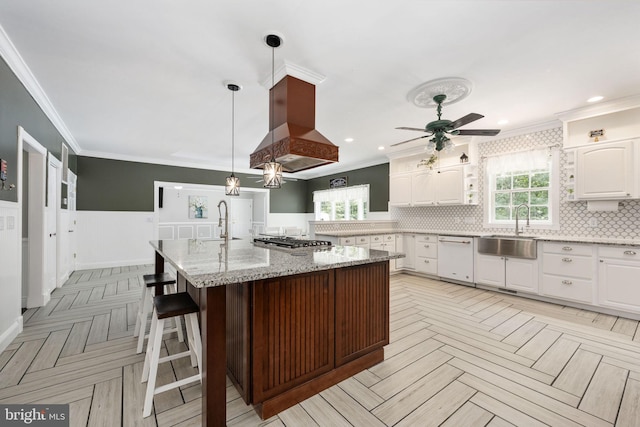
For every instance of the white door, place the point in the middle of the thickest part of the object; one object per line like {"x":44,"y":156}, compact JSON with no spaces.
{"x":605,"y":171}
{"x":490,"y":270}
{"x":423,"y":191}
{"x":51,"y":225}
{"x":521,"y":275}
{"x":241,"y":218}
{"x":400,"y":189}
{"x":450,"y":184}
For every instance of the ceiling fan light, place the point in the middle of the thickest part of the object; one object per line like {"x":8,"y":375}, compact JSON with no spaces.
{"x":272,"y":174}
{"x":232,"y":186}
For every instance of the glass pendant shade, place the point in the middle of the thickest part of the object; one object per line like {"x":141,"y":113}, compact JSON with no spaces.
{"x":272,"y":174}
{"x":232,"y":186}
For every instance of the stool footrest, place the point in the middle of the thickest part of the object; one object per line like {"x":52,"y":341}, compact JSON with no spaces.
{"x":177,"y":384}
{"x":174,"y":356}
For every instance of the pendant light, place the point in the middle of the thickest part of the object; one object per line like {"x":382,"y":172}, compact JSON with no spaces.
{"x":272,"y":172}
{"x":232,"y":186}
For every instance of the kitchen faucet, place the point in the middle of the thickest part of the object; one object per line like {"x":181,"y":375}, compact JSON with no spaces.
{"x":518,"y":214}
{"x":224,"y":235}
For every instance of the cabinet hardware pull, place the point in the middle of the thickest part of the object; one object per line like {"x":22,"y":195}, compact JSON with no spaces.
{"x":567,"y":259}
{"x":426,"y":261}
{"x":464,"y":242}
{"x":629,"y":252}
{"x":426,"y":246}
{"x":567,"y":248}
{"x":567,"y":282}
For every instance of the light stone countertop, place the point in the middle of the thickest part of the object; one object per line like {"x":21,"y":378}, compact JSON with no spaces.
{"x":564,"y":239}
{"x":212,"y":263}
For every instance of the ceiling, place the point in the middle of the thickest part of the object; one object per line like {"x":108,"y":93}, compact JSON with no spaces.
{"x":143,"y":80}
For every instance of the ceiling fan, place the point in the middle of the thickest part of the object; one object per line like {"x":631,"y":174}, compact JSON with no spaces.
{"x":440,"y":128}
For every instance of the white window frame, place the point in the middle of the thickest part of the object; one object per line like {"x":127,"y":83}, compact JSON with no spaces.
{"x":357,"y":193}
{"x":553,"y":223}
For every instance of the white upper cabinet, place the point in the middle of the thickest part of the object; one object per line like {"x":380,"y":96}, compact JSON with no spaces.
{"x":607,"y":171}
{"x":400,"y":189}
{"x":428,"y":187}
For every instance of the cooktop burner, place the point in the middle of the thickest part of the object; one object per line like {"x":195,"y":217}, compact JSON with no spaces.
{"x":290,"y":242}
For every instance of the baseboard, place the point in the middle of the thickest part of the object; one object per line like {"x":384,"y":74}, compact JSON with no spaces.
{"x":111,"y":264}
{"x":10,"y":334}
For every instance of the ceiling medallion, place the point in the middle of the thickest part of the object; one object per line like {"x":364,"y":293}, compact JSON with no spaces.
{"x":456,"y":89}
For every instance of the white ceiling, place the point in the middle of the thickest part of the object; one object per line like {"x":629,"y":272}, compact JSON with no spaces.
{"x":143,"y":80}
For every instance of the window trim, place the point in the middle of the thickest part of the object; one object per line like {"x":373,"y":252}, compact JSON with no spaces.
{"x":554,"y":200}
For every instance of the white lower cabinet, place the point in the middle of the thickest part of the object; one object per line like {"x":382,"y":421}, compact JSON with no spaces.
{"x":399,"y":262}
{"x":568,"y":271}
{"x":511,"y":273}
{"x":409,"y":246}
{"x":619,"y":278}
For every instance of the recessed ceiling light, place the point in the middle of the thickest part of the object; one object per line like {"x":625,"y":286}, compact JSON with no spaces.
{"x":348,"y":140}
{"x":595,"y":98}
{"x":503,"y":121}
{"x":178,"y":187}
{"x":381,"y":148}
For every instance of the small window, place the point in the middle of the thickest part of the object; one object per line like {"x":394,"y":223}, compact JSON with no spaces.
{"x":522,"y":178}
{"x":349,"y":203}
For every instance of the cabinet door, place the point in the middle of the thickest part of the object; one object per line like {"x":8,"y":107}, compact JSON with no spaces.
{"x":521,"y":275}
{"x":400,"y":189}
{"x":605,"y":171}
{"x":410,"y":250}
{"x":399,"y":247}
{"x":618,"y":285}
{"x":423,"y":188}
{"x":489,"y":270}
{"x":450,"y":186}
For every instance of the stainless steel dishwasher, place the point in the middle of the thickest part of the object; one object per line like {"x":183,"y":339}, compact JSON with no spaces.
{"x":455,"y":259}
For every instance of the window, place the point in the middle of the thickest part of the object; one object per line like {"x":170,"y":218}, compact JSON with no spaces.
{"x":522,"y":178}
{"x":349,"y":203}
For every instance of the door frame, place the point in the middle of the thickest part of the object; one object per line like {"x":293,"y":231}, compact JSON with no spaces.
{"x":57,"y":165}
{"x":37,"y":294}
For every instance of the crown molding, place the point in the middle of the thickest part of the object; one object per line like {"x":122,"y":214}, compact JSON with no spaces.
{"x":290,"y":69}
{"x":531,"y":128}
{"x":20,"y":68}
{"x":600,"y":108}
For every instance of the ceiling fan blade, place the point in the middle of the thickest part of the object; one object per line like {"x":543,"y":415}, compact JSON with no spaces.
{"x":481,"y":132}
{"x":418,"y":129}
{"x":409,"y":140}
{"x":471,"y":117}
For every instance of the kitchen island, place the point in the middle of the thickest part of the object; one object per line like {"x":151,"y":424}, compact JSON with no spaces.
{"x":283,"y":324}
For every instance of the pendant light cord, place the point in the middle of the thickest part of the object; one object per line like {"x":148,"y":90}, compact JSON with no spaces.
{"x":273,"y":67}
{"x":233,"y":129}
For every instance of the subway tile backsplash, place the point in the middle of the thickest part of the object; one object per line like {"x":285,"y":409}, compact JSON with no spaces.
{"x":575,"y":220}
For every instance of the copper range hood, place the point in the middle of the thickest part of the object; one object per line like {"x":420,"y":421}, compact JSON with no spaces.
{"x":297,"y":145}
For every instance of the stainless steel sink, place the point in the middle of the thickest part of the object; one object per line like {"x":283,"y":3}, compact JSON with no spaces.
{"x":513,"y":246}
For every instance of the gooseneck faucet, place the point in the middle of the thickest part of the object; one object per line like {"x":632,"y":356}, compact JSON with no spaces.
{"x":518,"y":214}
{"x":224,"y":235}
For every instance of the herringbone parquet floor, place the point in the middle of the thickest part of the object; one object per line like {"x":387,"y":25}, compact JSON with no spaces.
{"x":458,"y":356}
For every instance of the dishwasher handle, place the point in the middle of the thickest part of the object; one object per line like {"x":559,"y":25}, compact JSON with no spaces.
{"x":464,"y":242}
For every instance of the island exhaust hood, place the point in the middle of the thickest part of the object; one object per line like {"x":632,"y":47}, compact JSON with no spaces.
{"x":297,"y":145}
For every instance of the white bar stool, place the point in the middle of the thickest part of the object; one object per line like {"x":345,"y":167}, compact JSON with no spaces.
{"x":167,"y":307}
{"x":151,"y":282}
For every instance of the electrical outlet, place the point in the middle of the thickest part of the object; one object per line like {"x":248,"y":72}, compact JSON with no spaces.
{"x":593,"y":222}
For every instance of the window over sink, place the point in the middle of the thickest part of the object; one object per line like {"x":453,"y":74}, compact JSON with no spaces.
{"x":349,"y":203}
{"x":528,"y":177}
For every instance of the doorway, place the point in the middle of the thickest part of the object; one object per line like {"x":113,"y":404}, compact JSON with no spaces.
{"x":35,"y":282}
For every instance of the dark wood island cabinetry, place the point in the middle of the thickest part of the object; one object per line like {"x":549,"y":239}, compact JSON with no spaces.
{"x":290,"y":337}
{"x":293,"y":325}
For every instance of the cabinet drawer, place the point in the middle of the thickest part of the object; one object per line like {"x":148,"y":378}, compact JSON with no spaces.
{"x":378,"y":238}
{"x":629,"y":252}
{"x":567,"y":248}
{"x":427,"y":265}
{"x":347,"y":241}
{"x":362,"y":240}
{"x":568,"y":265}
{"x":426,"y":238}
{"x":427,"y":249}
{"x":389,"y":238}
{"x":568,"y":288}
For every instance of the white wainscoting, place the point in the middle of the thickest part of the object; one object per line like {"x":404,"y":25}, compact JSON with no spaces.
{"x":110,"y":239}
{"x":10,"y":273}
{"x":188,"y":230}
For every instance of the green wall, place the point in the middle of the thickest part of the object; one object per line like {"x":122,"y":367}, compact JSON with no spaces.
{"x":18,"y":108}
{"x":117,"y":185}
{"x":376,"y":176}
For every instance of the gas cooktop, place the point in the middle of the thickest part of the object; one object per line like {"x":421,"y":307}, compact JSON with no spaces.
{"x":290,"y":242}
